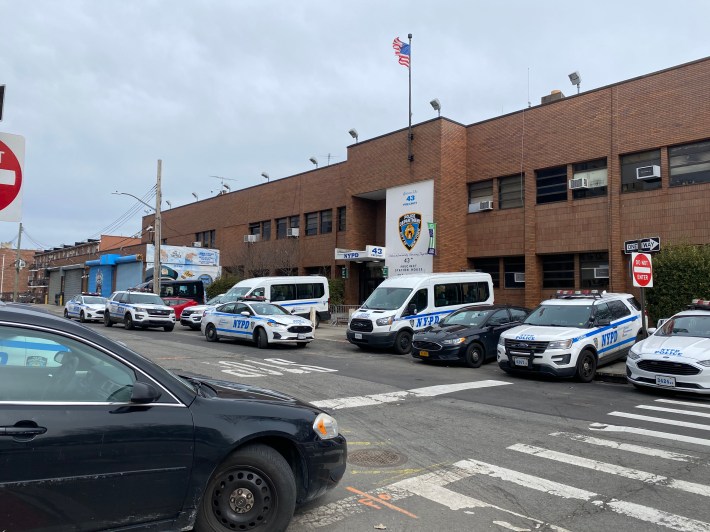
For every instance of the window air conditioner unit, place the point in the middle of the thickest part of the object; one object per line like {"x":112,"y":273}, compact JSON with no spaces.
{"x":601,"y":273}
{"x":197,"y":244}
{"x":580,"y":182}
{"x":292,"y":232}
{"x":485,"y":206}
{"x":519,"y":277}
{"x":648,"y":172}
{"x":251,"y":238}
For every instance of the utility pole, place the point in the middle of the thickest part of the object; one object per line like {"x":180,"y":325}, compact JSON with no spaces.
{"x":158,"y":236}
{"x":17,"y":265}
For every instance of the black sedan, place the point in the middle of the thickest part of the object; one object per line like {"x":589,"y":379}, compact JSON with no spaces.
{"x":95,"y":436}
{"x":469,"y":334}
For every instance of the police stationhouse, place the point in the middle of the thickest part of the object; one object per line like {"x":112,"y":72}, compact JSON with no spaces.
{"x":573,"y":334}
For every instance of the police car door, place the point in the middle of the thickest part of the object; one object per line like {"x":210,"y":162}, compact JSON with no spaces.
{"x":626,"y":326}
{"x":73,"y":306}
{"x":114,"y":306}
{"x":224,"y":320}
{"x":607,"y":338}
{"x":243,"y":321}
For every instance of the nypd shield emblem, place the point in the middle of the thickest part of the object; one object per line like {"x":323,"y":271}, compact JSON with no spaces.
{"x":410,"y":227}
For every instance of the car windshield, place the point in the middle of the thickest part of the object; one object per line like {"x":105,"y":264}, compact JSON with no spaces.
{"x":560,"y":316}
{"x":469,"y":318}
{"x":94,"y":300}
{"x":147,"y":299}
{"x":697,"y":326}
{"x":387,"y":298}
{"x":267,"y":309}
{"x":237,"y":291}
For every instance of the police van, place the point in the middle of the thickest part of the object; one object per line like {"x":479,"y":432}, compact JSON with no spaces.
{"x":297,"y":293}
{"x":573,"y":334}
{"x":399,"y":306}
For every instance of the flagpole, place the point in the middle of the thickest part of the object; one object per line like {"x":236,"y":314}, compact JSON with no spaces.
{"x":410,"y":156}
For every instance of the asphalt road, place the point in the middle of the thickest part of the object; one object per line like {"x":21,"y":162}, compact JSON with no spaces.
{"x":448,"y":447}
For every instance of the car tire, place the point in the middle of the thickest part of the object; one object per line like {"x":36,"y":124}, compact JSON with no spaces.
{"x":82,"y":317}
{"x":66,"y":314}
{"x":586,"y":366}
{"x":128,"y":322}
{"x":211,"y":333}
{"x":253,"y":489}
{"x":168,"y":328}
{"x":261,"y":338}
{"x":474,"y":356}
{"x":403,"y":342}
{"x":107,"y":320}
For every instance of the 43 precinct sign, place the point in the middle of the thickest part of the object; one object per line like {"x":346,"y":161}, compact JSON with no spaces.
{"x":12,"y":162}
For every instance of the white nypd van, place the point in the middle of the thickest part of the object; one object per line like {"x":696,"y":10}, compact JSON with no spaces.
{"x":401,"y":305}
{"x":573,"y":334}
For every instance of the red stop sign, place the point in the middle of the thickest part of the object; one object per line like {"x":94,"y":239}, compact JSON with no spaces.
{"x":641,"y":269}
{"x":9,"y":187}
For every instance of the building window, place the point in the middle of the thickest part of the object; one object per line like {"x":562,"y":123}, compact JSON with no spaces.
{"x":551,"y":184}
{"x":510,"y":192}
{"x":595,"y":174}
{"x":311,"y":223}
{"x":594,"y":270}
{"x":558,"y":271}
{"x":206,"y":238}
{"x":281,"y":226}
{"x":294,"y":221}
{"x":490,"y":266}
{"x":341,"y":218}
{"x":255,"y":228}
{"x":326,"y":221}
{"x":514,"y":270}
{"x":266,"y":230}
{"x":629,"y":164}
{"x":480,"y":196}
{"x":689,"y":164}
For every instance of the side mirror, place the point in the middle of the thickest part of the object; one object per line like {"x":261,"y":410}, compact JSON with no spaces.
{"x":144,"y":393}
{"x":245,"y":313}
{"x":651,"y":330}
{"x":603,"y":322}
{"x":411,"y":309}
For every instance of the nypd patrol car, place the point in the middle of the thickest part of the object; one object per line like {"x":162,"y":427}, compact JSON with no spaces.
{"x":138,"y":309}
{"x":677,"y":355}
{"x":257,"y":321}
{"x":571,"y":335}
{"x":85,"y":307}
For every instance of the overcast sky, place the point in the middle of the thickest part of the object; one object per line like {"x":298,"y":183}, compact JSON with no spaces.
{"x":102,"y":89}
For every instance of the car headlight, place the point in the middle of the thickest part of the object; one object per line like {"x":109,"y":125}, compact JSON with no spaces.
{"x":275,"y":324}
{"x":501,"y":341}
{"x":635,"y":355}
{"x":560,"y":344}
{"x":453,"y":341}
{"x":325,"y":426}
{"x":385,"y":321}
{"x":704,"y":362}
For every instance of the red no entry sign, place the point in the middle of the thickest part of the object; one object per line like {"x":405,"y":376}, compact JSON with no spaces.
{"x":642,"y":270}
{"x":12,"y":155}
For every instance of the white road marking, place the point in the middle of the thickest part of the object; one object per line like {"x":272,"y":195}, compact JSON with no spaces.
{"x":626,"y":472}
{"x":269,"y":366}
{"x":673,"y":410}
{"x":393,"y":397}
{"x":637,"y":511}
{"x":683,"y":403}
{"x":651,"y":433}
{"x":662,"y":420}
{"x":639,"y":449}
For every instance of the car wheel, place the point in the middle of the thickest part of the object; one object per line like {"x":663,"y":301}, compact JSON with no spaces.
{"x":128,"y":322}
{"x":262,"y":340}
{"x":66,"y":314}
{"x":168,"y":328}
{"x":474,"y":356}
{"x":82,"y":317}
{"x":211,"y":333}
{"x":107,"y":320}
{"x":403,"y":342}
{"x":253,"y":489}
{"x":586,"y":366}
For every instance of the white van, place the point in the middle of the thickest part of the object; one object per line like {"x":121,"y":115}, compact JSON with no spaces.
{"x":298,"y":294}
{"x":402,"y":305}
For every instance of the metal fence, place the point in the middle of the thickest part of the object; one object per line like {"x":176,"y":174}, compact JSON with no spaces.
{"x":340,"y":314}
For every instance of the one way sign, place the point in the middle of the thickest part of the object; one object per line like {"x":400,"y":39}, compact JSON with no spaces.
{"x":648,"y":245}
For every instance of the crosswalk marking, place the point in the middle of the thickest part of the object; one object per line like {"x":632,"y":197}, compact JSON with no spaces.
{"x":401,"y":395}
{"x":639,"y":449}
{"x":683,"y":403}
{"x":675,"y":422}
{"x":627,"y":472}
{"x":673,"y":410}
{"x":651,"y":433}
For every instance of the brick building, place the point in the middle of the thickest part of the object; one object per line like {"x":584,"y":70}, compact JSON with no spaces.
{"x":542,"y":198}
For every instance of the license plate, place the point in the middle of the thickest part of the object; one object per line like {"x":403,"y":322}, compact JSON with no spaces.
{"x":301,"y":336}
{"x":662,"y":380}
{"x":520,"y":361}
{"x":358,"y":336}
{"x":423,"y":353}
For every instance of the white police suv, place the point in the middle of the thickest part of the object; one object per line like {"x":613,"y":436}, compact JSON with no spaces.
{"x":571,"y":335}
{"x":86,"y":307}
{"x":257,"y":321}
{"x":677,"y":355}
{"x":138,"y":309}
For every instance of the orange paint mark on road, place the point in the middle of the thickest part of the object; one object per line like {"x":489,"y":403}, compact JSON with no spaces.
{"x":373,"y":501}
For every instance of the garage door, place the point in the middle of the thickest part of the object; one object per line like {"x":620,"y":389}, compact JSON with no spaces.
{"x":72,"y":282}
{"x":55,"y":286}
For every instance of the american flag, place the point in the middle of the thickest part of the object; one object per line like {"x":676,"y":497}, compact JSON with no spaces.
{"x":401,"y":50}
